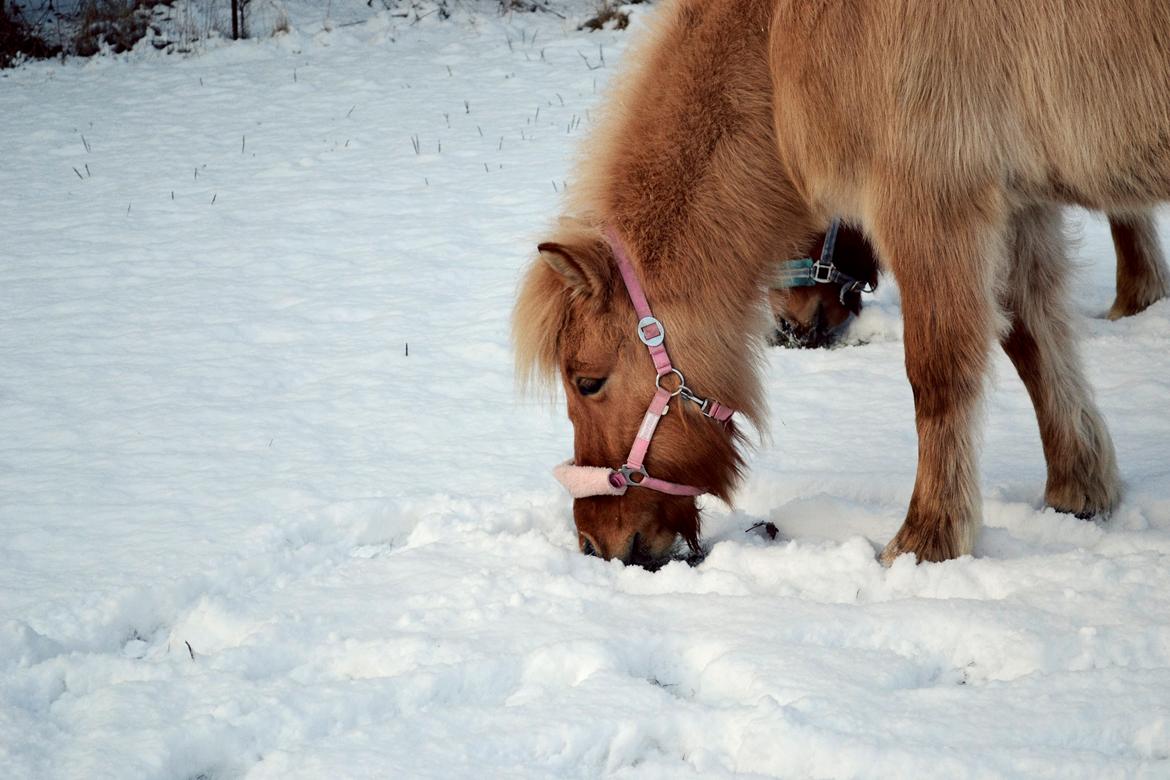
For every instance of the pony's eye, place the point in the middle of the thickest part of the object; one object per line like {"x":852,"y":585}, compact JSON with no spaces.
{"x":589,"y":385}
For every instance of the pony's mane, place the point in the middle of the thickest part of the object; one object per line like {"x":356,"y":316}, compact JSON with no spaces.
{"x":683,"y":164}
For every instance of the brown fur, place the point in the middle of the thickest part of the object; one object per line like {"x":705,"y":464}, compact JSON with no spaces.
{"x":940,"y":129}
{"x":1142,"y":276}
{"x":1082,"y":472}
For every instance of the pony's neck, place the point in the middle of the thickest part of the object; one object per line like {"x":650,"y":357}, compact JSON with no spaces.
{"x":686,"y":166}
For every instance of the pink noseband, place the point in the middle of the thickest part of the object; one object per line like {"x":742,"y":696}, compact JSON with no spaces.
{"x":585,"y":481}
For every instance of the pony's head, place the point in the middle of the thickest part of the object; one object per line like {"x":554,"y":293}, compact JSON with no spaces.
{"x":816,"y":316}
{"x":574,"y":320}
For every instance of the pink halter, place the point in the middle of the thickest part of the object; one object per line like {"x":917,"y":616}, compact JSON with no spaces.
{"x":584,"y":481}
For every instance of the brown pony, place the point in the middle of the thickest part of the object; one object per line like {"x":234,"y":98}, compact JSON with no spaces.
{"x":815,"y":316}
{"x":950,"y":132}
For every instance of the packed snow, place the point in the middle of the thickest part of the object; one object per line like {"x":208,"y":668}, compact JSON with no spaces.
{"x":270,"y":506}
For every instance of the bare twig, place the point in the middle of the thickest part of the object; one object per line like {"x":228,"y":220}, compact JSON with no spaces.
{"x":764,"y":527}
{"x":588,"y":64}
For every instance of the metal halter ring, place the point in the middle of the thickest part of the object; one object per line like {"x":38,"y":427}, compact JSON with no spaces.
{"x":628,"y":471}
{"x":682,"y":382}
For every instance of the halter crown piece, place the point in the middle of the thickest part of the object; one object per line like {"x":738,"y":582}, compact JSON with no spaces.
{"x":584,"y":481}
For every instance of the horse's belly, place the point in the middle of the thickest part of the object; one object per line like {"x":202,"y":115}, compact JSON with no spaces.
{"x":1099,"y":172}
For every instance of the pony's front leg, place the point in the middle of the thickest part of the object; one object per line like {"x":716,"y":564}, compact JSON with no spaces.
{"x":1142,"y":276}
{"x":946,"y":263}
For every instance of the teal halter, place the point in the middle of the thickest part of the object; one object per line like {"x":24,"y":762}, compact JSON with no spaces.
{"x":807,"y":272}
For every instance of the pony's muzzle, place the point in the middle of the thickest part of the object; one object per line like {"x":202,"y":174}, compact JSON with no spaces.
{"x":630,"y":549}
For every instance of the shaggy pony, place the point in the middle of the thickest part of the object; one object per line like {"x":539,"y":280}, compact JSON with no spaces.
{"x":950,"y":133}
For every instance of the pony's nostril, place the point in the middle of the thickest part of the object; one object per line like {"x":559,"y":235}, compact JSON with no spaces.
{"x":587,"y":546}
{"x":635,"y":547}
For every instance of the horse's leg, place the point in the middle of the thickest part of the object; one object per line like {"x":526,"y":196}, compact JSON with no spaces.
{"x":1142,"y":276}
{"x":1082,"y":469}
{"x":945,"y":253}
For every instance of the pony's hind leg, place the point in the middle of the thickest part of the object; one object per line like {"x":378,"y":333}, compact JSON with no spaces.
{"x":945,"y":253}
{"x":1142,"y":276}
{"x":1082,"y":470}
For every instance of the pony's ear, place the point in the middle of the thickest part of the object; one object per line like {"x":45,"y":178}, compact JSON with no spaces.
{"x":584,"y":268}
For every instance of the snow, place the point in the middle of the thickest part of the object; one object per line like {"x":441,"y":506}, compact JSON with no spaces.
{"x":244,"y":533}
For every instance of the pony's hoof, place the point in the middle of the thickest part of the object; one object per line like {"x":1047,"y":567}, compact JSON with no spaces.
{"x":891,"y":553}
{"x":1081,"y":505}
{"x":1134,"y":304}
{"x":928,"y":542}
{"x":1082,"y":514}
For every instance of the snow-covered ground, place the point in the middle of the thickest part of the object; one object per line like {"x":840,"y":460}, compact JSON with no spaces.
{"x":244,"y":532}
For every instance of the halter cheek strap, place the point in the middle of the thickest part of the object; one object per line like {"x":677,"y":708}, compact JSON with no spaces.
{"x":584,"y":481}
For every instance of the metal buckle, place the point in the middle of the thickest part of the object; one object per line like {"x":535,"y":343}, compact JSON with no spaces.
{"x":627,"y":471}
{"x":823,"y":273}
{"x":651,"y":341}
{"x":703,"y":403}
{"x":854,"y":285}
{"x":682,"y":382}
